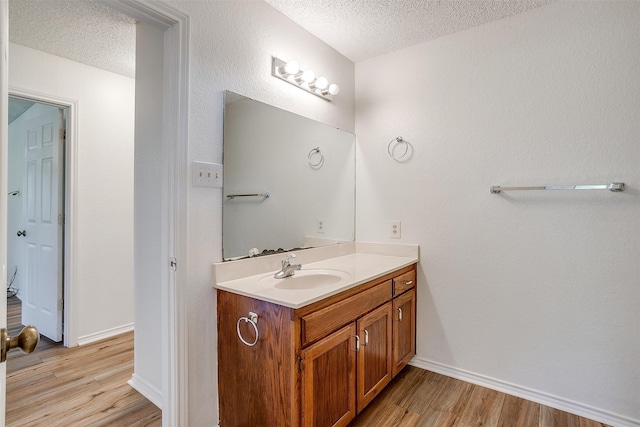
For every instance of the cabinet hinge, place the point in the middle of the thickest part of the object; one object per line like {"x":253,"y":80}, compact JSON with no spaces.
{"x":173,"y":264}
{"x":300,"y":364}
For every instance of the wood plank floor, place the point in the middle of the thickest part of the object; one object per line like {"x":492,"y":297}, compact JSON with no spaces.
{"x":79,"y":386}
{"x":86,"y":386}
{"x":422,"y":398}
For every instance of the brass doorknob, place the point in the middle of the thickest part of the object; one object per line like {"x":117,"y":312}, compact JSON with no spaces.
{"x":26,"y":341}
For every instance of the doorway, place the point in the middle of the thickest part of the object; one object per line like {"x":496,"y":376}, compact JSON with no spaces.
{"x":171,"y":328}
{"x":35,"y":216}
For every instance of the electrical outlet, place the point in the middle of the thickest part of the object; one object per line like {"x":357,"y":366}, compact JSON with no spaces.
{"x":395,"y":229}
{"x":207,"y":174}
{"x":320,"y":225}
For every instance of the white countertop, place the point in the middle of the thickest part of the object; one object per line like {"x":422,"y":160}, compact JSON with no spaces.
{"x":362,"y":267}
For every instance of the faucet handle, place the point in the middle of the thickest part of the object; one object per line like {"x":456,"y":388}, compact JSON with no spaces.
{"x":288,"y":260}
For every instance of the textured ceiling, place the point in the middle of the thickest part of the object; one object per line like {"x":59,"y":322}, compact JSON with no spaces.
{"x":361,"y":29}
{"x":91,"y":33}
{"x":80,"y":30}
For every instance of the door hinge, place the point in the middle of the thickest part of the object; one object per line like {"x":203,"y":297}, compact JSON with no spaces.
{"x":173,"y":264}
{"x":300,"y":364}
{"x":61,"y":219}
{"x":63,"y":134}
{"x":60,"y":304}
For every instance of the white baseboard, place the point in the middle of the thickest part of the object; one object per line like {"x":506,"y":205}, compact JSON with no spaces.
{"x":143,"y":387}
{"x":105,"y":334}
{"x":543,"y":398}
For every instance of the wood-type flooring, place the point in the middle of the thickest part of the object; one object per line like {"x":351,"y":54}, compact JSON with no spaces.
{"x":79,"y":386}
{"x":419,"y":398}
{"x":87,"y":386}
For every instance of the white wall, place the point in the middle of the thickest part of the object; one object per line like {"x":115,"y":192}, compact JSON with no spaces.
{"x":231,"y":44}
{"x":105,"y":181}
{"x":534,"y":290}
{"x":266,"y":149}
{"x":150,"y":161}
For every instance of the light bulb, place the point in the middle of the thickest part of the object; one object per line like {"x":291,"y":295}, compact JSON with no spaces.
{"x":292,"y":67}
{"x":334,"y":89}
{"x":321,"y":83}
{"x":308,"y":76}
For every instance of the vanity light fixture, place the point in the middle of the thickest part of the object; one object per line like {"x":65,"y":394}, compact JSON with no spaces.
{"x":290,"y":72}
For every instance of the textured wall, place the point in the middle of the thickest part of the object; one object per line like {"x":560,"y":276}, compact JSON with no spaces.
{"x":104,"y":192}
{"x":231,"y":44}
{"x":539,"y":290}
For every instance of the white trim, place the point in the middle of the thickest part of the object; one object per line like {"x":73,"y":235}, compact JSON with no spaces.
{"x":4,"y":151}
{"x":537,"y":396}
{"x":175,"y":25}
{"x":147,"y":390}
{"x":71,"y":310}
{"x":87,"y":339}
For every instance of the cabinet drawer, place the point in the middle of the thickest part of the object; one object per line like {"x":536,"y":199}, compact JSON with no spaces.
{"x":404,"y":282}
{"x":320,"y":323}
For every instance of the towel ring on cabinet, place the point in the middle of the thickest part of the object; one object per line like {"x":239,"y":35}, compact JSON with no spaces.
{"x":251,"y":318}
{"x":319,"y":162}
{"x":391,"y":148}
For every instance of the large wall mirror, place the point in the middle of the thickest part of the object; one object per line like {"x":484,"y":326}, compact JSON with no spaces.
{"x":289,"y":182}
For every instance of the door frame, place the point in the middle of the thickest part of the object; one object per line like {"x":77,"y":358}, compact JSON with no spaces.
{"x":70,"y":293}
{"x":175,"y":26}
{"x":4,"y":136}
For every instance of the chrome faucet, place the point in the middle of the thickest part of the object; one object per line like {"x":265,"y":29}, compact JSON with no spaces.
{"x":288,"y":269}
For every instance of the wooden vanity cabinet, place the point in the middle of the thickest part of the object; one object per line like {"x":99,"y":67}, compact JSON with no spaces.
{"x":404,"y":330}
{"x":317,"y":366}
{"x":329,"y":380}
{"x":374,"y":354}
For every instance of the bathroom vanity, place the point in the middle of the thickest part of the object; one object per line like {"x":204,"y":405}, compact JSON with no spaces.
{"x":316,"y":350}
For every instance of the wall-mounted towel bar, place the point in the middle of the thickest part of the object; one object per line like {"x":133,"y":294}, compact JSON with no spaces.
{"x":233,"y":196}
{"x":614,"y":186}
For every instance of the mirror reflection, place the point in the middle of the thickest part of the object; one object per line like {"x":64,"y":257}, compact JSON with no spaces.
{"x":289,"y":181}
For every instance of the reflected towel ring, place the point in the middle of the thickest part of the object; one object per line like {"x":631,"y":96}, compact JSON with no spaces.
{"x":320,"y":160}
{"x":391,"y":147}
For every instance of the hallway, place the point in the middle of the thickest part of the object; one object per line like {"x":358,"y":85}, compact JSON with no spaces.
{"x":78,"y":386}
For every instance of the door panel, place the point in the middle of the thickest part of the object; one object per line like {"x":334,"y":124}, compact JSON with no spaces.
{"x":43,"y":185}
{"x":328,"y":380}
{"x":374,"y":357}
{"x":404,"y":330}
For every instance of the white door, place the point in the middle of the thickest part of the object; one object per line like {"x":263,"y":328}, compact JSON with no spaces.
{"x":43,"y":208}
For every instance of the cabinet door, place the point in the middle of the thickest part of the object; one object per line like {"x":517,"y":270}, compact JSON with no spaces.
{"x":374,"y":356}
{"x":329,"y":380}
{"x":404,"y":330}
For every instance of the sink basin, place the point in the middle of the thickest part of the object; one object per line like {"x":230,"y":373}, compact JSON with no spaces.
{"x":308,"y":279}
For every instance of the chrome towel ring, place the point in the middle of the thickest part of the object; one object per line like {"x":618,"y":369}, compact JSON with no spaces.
{"x":251,"y":318}
{"x":319,"y":158}
{"x":392,"y":147}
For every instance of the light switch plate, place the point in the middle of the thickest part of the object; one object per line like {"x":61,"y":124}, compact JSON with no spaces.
{"x":206,"y":174}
